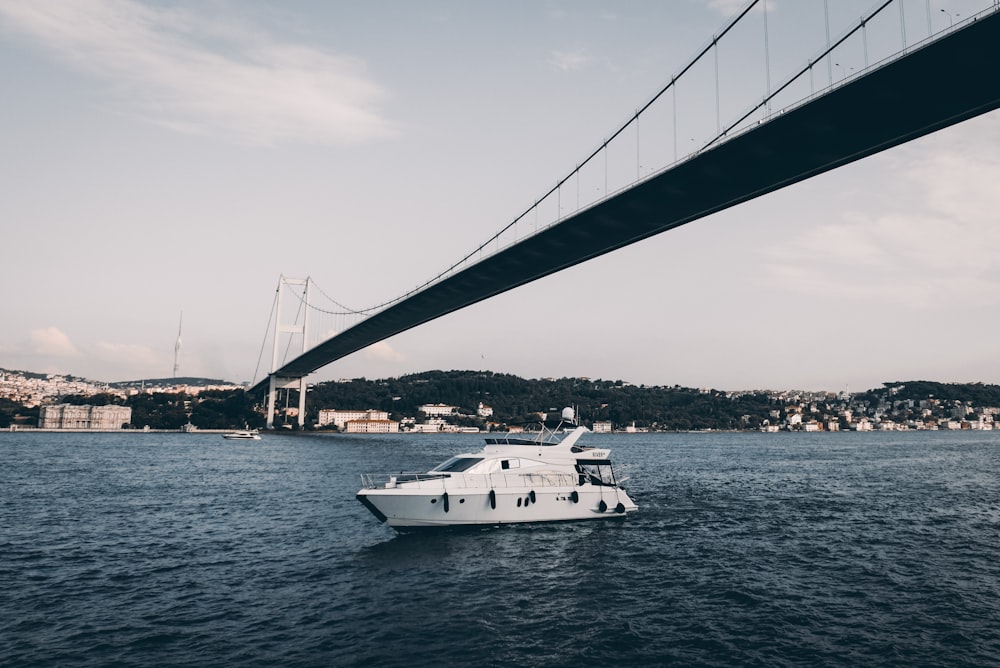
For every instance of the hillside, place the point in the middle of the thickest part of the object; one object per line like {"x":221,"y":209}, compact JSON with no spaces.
{"x":517,"y":400}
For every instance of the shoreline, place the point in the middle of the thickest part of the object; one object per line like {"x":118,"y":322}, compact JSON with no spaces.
{"x":28,"y":430}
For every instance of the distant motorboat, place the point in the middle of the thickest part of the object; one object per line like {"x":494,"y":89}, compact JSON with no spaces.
{"x":243,"y":435}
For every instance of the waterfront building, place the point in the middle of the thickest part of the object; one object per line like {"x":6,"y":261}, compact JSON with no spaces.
{"x":69,"y":416}
{"x":433,"y":425}
{"x":340,"y":418}
{"x":371,"y":427}
{"x":862,"y":425}
{"x":602,"y":427}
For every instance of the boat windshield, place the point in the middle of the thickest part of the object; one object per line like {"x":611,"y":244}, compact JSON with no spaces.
{"x":456,"y":464}
{"x":596,"y":472}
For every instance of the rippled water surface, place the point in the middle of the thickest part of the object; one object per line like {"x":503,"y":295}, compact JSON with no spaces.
{"x":748,"y":549}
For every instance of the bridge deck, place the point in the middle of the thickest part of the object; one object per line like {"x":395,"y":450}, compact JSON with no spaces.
{"x":943,"y":83}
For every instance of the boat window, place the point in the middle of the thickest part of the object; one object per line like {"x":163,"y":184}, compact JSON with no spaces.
{"x":510,"y":464}
{"x":456,"y":464}
{"x":596,"y":473}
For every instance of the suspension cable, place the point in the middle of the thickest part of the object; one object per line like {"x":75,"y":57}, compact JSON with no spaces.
{"x":274,"y":307}
{"x":554,"y":189}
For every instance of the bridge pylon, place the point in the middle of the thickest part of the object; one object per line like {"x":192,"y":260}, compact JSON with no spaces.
{"x":278,"y":382}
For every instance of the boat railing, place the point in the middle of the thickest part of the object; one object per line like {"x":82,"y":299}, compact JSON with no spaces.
{"x":469,"y":480}
{"x":375,"y":480}
{"x":623,"y":474}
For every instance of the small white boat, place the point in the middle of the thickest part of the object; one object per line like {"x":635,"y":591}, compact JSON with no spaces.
{"x":243,"y":435}
{"x":512,"y":480}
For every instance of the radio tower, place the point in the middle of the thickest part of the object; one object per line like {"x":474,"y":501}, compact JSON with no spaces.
{"x":177,"y":346}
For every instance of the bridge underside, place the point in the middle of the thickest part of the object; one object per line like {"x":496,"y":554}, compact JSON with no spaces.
{"x":948,"y":81}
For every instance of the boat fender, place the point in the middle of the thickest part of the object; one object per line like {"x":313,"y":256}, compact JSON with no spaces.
{"x":531,"y":495}
{"x":574,"y":497}
{"x":493,"y":499}
{"x":600,"y":506}
{"x":445,"y":501}
{"x":620,"y":508}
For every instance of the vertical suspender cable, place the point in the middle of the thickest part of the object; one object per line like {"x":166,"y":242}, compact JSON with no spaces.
{"x":767,"y":61}
{"x":305,"y":317}
{"x":829,"y":60}
{"x":718,"y":118}
{"x":902,"y":24}
{"x":577,"y":188}
{"x":864,"y":38}
{"x":673,"y":88}
{"x":638,"y":160}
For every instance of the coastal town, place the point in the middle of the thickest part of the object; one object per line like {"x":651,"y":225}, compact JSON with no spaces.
{"x":44,"y":401}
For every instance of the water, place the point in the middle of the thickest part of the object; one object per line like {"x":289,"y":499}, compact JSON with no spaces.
{"x":748,"y":549}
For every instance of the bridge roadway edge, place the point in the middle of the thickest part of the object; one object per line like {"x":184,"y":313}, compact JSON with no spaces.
{"x":945,"y":82}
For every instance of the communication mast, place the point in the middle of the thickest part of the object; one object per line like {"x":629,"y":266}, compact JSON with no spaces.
{"x":177,"y":346}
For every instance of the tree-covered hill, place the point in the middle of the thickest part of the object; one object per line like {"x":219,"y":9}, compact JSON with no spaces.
{"x":978,"y":394}
{"x":514,"y":399}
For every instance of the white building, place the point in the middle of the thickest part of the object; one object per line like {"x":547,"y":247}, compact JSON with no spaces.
{"x":484,"y":411}
{"x":439,"y":410}
{"x":341,"y":418}
{"x":603,"y":427}
{"x":68,"y":416}
{"x":425,"y":428}
{"x":862,"y":425}
{"x":372,"y":427}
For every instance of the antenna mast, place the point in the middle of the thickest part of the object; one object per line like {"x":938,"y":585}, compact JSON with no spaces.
{"x":177,"y":346}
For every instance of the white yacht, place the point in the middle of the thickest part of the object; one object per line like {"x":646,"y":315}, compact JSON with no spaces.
{"x":512,"y":480}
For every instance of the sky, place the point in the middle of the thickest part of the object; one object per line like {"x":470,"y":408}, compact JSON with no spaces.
{"x":168,"y":160}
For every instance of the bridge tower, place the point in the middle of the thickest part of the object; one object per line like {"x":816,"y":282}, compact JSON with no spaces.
{"x":276,"y":382}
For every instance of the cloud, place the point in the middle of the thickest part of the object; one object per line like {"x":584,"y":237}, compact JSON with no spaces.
{"x":196,"y":75}
{"x":127,"y":356}
{"x":51,"y":342}
{"x":383,"y":352}
{"x":931,"y":240}
{"x":569,"y":60}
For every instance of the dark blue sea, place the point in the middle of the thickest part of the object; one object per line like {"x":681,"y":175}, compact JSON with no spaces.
{"x":748,"y":549}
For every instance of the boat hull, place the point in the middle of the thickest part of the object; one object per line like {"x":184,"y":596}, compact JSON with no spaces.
{"x":443,"y":507}
{"x":242,"y":435}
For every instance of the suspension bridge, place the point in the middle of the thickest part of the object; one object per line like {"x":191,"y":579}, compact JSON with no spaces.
{"x":911,"y":79}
